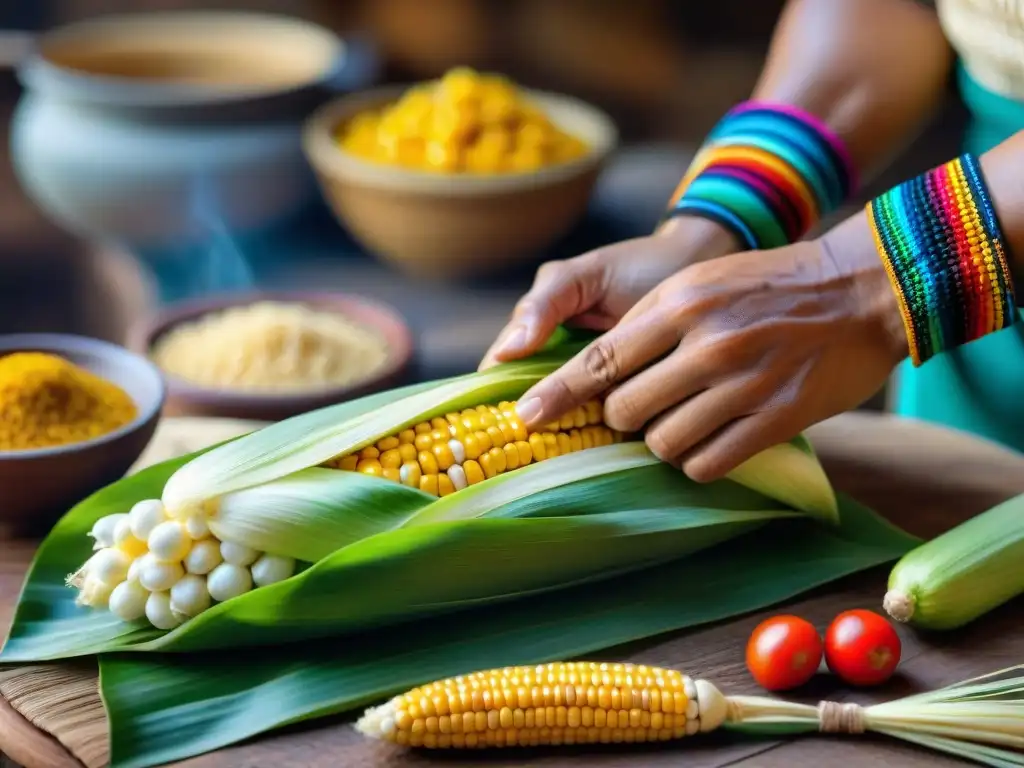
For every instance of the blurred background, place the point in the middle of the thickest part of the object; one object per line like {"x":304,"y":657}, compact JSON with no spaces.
{"x":663,"y":70}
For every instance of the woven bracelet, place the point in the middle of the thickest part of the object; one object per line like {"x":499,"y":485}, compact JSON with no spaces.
{"x":768,"y":173}
{"x":943,"y":249}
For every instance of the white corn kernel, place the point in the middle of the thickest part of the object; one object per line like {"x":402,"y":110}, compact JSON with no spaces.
{"x":458,"y":451}
{"x":169,"y":542}
{"x":103,"y":530}
{"x":158,"y":611}
{"x":190,"y":597}
{"x":689,"y":688}
{"x":458,"y":477}
{"x":227,"y":581}
{"x":237,"y":554}
{"x":123,"y":530}
{"x":110,"y":566}
{"x":196,"y":527}
{"x":157,"y":576}
{"x":95,"y":593}
{"x":145,"y":516}
{"x":128,"y":601}
{"x":204,"y":557}
{"x":270,"y":569}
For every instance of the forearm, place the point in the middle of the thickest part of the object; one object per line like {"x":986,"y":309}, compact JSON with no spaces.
{"x":939,"y":235}
{"x":1004,"y":173}
{"x":874,"y":70}
{"x":846,"y":84}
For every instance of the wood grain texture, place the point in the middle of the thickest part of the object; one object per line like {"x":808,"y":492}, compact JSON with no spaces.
{"x":922,"y":478}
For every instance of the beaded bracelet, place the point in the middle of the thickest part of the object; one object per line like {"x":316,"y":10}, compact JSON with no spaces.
{"x":942,"y":247}
{"x":768,"y":173}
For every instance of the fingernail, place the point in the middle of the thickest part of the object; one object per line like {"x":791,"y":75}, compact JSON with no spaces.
{"x":529,"y":409}
{"x":515,"y":339}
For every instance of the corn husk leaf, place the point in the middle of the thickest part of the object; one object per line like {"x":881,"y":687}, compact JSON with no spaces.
{"x":981,"y":719}
{"x":647,"y":512}
{"x":166,"y":707}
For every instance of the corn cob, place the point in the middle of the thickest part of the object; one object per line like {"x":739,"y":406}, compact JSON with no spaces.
{"x":168,"y":571}
{"x":558,"y":703}
{"x":151,"y":565}
{"x":447,"y":454}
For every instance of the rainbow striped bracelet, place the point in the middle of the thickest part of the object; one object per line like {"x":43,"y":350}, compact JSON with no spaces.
{"x":943,"y":249}
{"x":767,"y":172}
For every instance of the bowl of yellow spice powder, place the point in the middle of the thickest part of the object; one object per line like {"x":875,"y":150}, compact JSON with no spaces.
{"x":75,"y":414}
{"x":460,"y":176}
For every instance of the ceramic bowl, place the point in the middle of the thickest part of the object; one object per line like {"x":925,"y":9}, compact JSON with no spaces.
{"x":187,"y":399}
{"x":38,"y":486}
{"x":158,"y":130}
{"x":453,"y":226}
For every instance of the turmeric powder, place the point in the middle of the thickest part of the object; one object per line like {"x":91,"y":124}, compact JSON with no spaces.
{"x":48,"y":401}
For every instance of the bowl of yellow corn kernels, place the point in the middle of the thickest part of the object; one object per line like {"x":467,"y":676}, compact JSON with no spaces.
{"x":459,"y":176}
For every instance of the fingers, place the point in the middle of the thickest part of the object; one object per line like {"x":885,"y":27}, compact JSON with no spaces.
{"x":561,"y":290}
{"x":675,"y":433}
{"x":741,"y":440}
{"x":614,"y":356}
{"x":693,"y":368}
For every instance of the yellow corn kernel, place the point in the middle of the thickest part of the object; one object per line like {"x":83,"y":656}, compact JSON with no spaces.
{"x":428,"y":463}
{"x":369,"y":467}
{"x":483,"y":158}
{"x":444,"y":485}
{"x":443,"y":453}
{"x":391,"y":459}
{"x":559,"y":703}
{"x":526,"y":158}
{"x":446,"y":454}
{"x":474,"y":472}
{"x":460,"y":84}
{"x":388,"y":444}
{"x":537,"y":447}
{"x":443,"y":156}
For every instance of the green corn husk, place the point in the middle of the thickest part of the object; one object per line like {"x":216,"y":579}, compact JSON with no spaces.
{"x":954,"y":578}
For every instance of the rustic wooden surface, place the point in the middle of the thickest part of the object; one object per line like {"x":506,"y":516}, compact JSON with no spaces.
{"x":922,"y":478}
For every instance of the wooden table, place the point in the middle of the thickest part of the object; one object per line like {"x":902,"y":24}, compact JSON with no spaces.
{"x":922,"y":478}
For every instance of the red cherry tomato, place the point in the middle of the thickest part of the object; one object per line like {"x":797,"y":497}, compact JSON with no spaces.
{"x":862,"y":648}
{"x":783,"y":652}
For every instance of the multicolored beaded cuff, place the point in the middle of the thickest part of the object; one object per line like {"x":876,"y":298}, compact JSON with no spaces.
{"x":767,"y":172}
{"x":944,"y":252}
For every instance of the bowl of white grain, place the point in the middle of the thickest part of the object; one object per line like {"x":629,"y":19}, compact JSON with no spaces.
{"x":271,"y":355}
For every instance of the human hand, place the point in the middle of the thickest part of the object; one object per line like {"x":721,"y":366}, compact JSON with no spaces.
{"x":731,"y":356}
{"x":596,"y":289}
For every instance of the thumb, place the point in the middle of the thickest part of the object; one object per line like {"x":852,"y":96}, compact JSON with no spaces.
{"x":562,"y":290}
